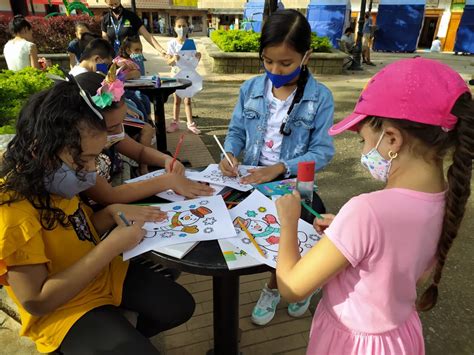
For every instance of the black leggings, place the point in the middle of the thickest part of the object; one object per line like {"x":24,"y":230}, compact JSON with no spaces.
{"x":160,"y":302}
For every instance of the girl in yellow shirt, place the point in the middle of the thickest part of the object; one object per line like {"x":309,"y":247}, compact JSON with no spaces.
{"x":69,"y":284}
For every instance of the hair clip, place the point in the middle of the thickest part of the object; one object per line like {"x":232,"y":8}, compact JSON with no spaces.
{"x":85,"y":96}
{"x":112,"y":89}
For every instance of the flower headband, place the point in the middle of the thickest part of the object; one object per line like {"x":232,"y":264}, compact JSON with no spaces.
{"x":112,"y":89}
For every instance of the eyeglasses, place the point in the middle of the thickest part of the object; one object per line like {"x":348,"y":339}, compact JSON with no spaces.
{"x":85,"y":96}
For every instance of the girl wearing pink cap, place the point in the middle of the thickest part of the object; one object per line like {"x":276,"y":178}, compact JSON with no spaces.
{"x":381,"y":244}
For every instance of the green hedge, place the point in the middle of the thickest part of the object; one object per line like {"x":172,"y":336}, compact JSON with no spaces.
{"x":249,"y":41}
{"x":17,"y":87}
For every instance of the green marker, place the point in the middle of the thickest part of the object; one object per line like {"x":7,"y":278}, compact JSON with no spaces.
{"x":313,"y":212}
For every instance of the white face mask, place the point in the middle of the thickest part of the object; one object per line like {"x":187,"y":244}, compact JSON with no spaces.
{"x":115,"y":138}
{"x":377,"y":165}
{"x":181,"y":31}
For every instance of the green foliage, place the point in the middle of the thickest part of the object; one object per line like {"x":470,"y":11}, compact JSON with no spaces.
{"x":8,"y":129}
{"x":236,"y":40}
{"x":320,"y":44}
{"x":249,"y":41}
{"x":17,"y":87}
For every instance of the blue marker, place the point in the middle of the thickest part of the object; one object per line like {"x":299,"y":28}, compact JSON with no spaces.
{"x":122,"y":217}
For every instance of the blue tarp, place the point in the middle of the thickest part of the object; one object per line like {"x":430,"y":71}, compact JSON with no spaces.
{"x":329,"y":18}
{"x":399,"y":25}
{"x":465,"y":35}
{"x":253,"y":14}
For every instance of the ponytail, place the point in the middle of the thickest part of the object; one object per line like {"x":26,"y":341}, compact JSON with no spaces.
{"x":459,"y":189}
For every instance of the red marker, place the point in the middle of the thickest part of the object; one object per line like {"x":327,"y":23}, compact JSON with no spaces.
{"x":178,"y":147}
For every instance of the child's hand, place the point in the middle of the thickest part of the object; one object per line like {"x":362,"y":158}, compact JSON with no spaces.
{"x":321,"y":224}
{"x":178,"y":168}
{"x":289,"y":208}
{"x":124,"y":238}
{"x":189,"y":188}
{"x":137,"y":213}
{"x":226,"y":168}
{"x":261,"y":175}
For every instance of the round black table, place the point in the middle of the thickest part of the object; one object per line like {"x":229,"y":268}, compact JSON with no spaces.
{"x":159,"y":96}
{"x":206,"y":259}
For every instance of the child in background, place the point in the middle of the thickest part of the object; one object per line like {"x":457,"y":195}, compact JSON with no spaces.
{"x":130,"y":56}
{"x":69,"y":285}
{"x":96,"y":57}
{"x":436,"y":45}
{"x":20,"y":52}
{"x":174,"y":46}
{"x":281,"y":119}
{"x":118,"y":142}
{"x":381,"y":244}
{"x":74,"y":48}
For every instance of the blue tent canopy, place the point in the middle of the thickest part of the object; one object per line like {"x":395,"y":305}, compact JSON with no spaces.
{"x":399,"y":25}
{"x":329,"y":18}
{"x":465,"y":35}
{"x":253,"y":14}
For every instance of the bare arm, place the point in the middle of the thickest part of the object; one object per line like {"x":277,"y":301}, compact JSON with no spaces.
{"x":34,"y":57}
{"x":41,"y":293}
{"x":299,"y":276}
{"x":150,"y":39}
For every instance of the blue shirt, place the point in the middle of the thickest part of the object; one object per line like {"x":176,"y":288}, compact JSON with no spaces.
{"x":309,"y":122}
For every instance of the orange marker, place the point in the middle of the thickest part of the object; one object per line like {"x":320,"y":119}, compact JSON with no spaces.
{"x":178,"y":147}
{"x":252,"y":239}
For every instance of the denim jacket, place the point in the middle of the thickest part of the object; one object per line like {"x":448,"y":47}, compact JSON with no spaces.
{"x":309,"y":122}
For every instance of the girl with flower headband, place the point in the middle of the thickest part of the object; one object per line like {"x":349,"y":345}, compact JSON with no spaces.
{"x":108,"y":96}
{"x":68,"y":283}
{"x":381,"y":244}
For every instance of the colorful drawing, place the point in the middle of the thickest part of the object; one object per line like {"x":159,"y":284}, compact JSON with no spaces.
{"x":213,"y":175}
{"x":277,"y":187}
{"x":235,"y":257}
{"x":187,"y":221}
{"x":170,"y":195}
{"x":258,"y":214}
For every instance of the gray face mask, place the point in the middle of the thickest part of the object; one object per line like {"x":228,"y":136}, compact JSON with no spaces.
{"x":65,"y":182}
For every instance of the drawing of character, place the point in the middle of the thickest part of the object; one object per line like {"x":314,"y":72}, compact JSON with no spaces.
{"x":184,"y":221}
{"x":266,"y":231}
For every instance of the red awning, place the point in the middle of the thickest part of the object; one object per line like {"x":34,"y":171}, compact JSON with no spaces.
{"x":53,"y":2}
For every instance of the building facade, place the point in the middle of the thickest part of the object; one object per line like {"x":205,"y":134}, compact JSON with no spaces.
{"x":441,"y":19}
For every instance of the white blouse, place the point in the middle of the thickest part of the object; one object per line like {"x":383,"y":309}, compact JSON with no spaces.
{"x":17,"y":54}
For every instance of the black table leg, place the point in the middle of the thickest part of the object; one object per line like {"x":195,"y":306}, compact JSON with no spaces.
{"x":160,"y":123}
{"x":226,"y":315}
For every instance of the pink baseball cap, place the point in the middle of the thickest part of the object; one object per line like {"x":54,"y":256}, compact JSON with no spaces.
{"x":416,"y":89}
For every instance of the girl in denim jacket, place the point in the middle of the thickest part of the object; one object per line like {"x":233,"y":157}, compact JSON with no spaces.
{"x":280,"y":119}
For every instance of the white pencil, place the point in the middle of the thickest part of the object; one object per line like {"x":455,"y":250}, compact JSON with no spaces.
{"x":225,"y":154}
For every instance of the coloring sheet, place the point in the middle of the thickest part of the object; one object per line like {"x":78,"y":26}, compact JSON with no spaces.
{"x":213,"y":175}
{"x":258,"y":214}
{"x":205,"y":218}
{"x":235,"y":257}
{"x":170,"y":195}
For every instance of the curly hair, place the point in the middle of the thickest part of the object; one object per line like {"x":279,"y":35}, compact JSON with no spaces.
{"x":436,"y":143}
{"x":49,"y":122}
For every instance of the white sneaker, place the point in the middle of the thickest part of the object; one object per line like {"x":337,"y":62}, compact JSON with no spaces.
{"x":265,"y":309}
{"x":299,"y":308}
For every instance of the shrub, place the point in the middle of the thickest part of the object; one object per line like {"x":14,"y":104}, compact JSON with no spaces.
{"x":249,"y":41}
{"x":51,"y":35}
{"x":17,"y":87}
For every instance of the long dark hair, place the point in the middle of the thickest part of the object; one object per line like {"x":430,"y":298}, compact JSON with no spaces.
{"x":439,"y":142}
{"x":17,"y":24}
{"x":49,"y":122}
{"x":292,"y":28}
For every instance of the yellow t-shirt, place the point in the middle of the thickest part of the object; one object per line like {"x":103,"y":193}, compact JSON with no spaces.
{"x":24,"y":242}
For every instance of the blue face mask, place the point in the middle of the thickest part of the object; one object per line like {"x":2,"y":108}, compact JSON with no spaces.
{"x":102,"y":67}
{"x":65,"y":182}
{"x":280,"y":80}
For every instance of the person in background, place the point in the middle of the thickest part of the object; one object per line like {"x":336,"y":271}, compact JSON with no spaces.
{"x":20,"y":52}
{"x":174,"y":46}
{"x":119,"y":23}
{"x":367,"y":39}
{"x":347,"y":40}
{"x":161,"y":23}
{"x":97,"y":56}
{"x":74,"y":48}
{"x":436,"y":45}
